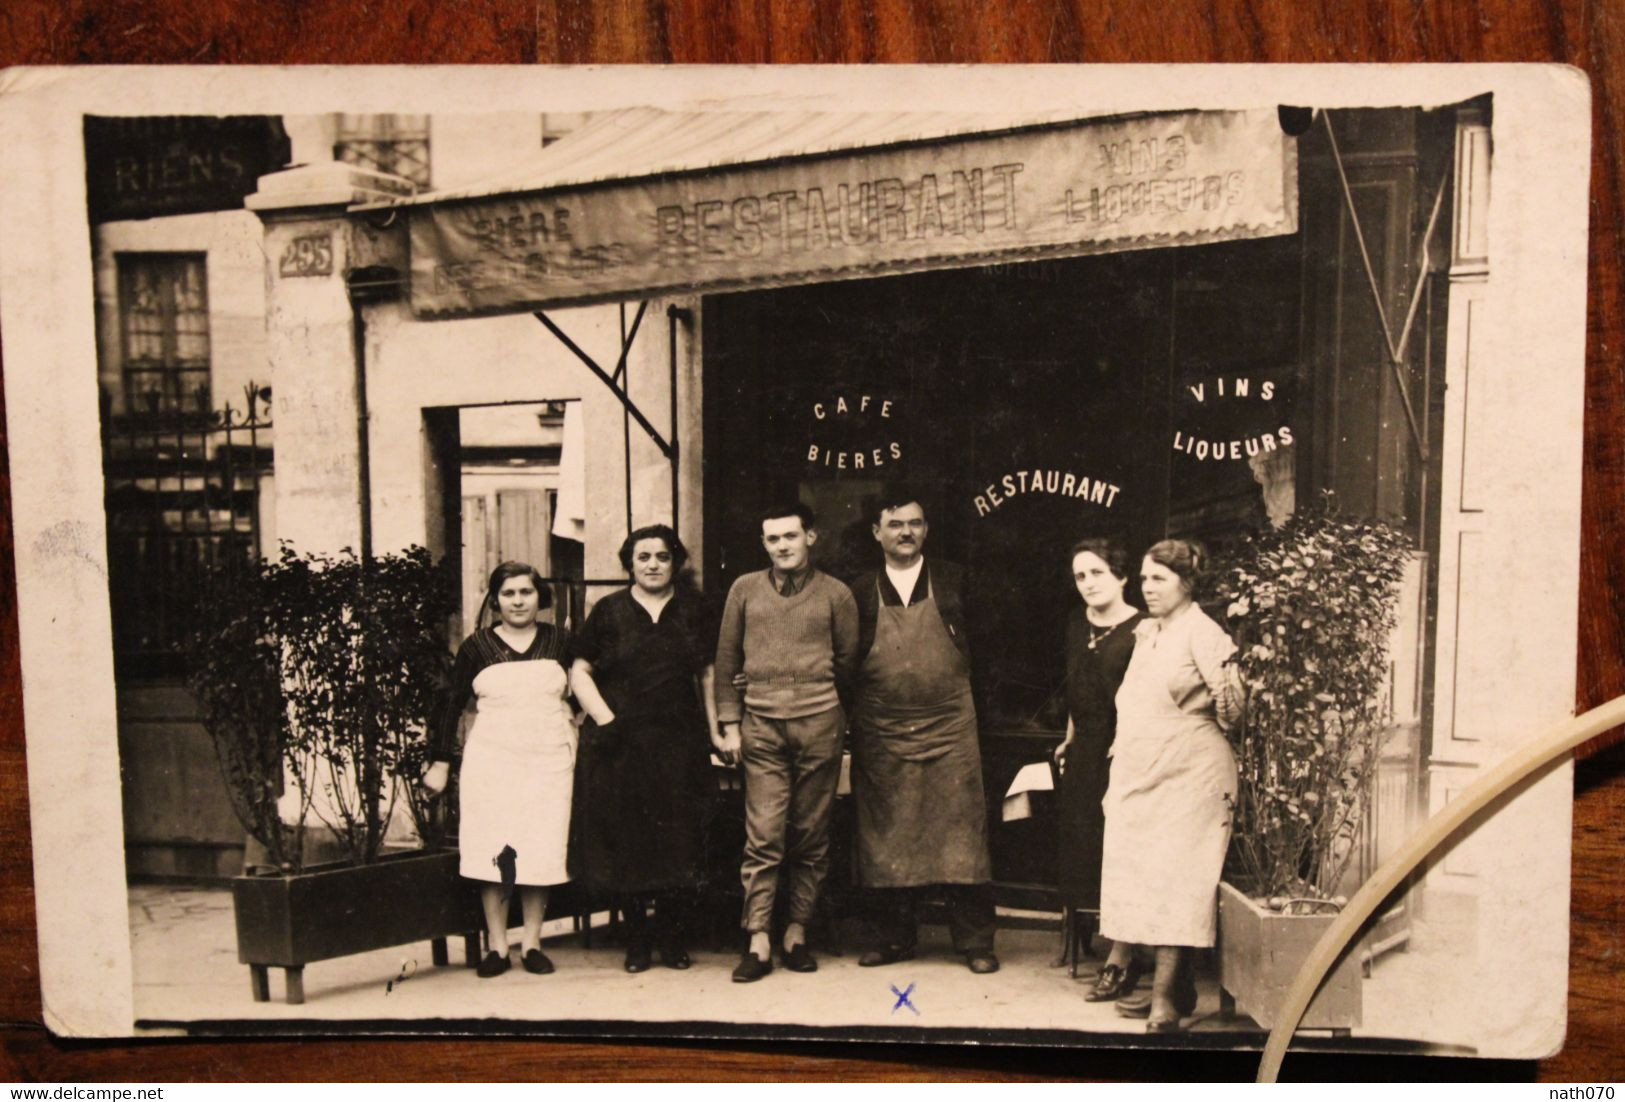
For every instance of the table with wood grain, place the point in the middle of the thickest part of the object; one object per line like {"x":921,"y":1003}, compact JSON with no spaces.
{"x":1588,"y":35}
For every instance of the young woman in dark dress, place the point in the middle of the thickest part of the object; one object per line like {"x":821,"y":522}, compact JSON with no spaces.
{"x":644,"y":787}
{"x":1099,"y":643}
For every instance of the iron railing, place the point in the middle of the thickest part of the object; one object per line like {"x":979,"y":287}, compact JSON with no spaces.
{"x":183,"y":515}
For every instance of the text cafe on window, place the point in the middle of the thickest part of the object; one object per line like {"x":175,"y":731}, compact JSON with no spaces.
{"x":1183,"y":323}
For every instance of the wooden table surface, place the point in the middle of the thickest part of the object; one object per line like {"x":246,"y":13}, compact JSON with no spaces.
{"x":1588,"y":35}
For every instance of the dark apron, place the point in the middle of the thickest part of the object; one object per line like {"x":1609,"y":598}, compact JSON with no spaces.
{"x":916,"y":762}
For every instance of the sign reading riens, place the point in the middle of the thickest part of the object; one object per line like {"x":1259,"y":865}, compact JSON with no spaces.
{"x":146,"y":167}
{"x":1085,"y":187}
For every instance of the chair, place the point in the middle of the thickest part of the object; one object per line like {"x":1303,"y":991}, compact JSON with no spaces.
{"x":1078,"y":926}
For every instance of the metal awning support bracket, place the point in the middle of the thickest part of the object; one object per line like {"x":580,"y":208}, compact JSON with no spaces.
{"x":615,"y":384}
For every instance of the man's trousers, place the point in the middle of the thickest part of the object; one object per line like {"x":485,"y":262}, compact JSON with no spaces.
{"x":792,"y":768}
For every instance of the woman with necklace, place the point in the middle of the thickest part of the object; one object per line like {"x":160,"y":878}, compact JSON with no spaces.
{"x":643,"y":673}
{"x":515,"y":781}
{"x":1099,"y":641}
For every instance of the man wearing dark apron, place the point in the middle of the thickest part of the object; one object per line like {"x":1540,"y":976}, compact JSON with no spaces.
{"x":916,"y":759}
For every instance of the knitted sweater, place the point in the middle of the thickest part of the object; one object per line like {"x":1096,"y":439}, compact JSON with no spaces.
{"x":798,"y":653}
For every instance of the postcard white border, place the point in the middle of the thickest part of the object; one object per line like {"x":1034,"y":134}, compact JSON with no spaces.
{"x":1538,"y":224}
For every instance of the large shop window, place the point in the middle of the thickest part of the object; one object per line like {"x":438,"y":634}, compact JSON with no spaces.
{"x":164,"y":318}
{"x":1030,"y":405}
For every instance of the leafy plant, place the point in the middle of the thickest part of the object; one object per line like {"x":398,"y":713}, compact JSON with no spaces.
{"x":236,"y":678}
{"x":1311,"y":606}
{"x":323,"y":671}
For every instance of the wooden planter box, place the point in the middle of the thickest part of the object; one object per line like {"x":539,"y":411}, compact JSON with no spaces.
{"x":335,"y":910}
{"x":1260,"y":952}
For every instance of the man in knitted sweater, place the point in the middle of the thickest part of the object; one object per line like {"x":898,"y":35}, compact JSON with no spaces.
{"x":792,"y":632}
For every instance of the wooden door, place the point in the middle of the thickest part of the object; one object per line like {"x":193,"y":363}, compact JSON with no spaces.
{"x":476,"y":559}
{"x":499,"y":527}
{"x":524,"y":524}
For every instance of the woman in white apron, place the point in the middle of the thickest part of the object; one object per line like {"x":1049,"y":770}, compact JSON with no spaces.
{"x":518,"y":764}
{"x":1173,"y":782}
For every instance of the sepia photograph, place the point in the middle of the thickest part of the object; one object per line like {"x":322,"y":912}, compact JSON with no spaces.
{"x":959,"y":555}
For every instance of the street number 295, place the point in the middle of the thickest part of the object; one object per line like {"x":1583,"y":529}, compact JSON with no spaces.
{"x":311,"y":255}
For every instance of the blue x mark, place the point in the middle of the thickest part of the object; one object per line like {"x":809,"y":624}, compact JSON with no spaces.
{"x":902,"y":999}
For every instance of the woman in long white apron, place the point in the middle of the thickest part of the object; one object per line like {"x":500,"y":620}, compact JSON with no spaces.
{"x":518,"y":763}
{"x":1172,"y":786}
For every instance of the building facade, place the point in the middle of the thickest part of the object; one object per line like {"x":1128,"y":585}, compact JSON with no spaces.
{"x":1033,"y":321}
{"x":189,"y":442}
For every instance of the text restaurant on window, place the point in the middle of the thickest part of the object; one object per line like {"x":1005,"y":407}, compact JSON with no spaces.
{"x":1179,"y":323}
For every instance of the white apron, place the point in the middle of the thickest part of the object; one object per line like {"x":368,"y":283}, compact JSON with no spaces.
{"x":515,"y":783}
{"x":1173,"y":780}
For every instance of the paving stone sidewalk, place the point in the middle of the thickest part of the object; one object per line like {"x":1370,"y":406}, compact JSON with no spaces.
{"x":186,"y":971}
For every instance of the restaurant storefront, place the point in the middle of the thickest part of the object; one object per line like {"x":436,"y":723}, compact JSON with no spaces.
{"x":1182,"y":323}
{"x":1030,"y":405}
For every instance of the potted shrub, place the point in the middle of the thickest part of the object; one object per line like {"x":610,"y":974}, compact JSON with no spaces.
{"x":317,"y":676}
{"x":1311,"y":606}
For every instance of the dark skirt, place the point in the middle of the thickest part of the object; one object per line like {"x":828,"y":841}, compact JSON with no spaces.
{"x":642,"y":804}
{"x":1095,"y":663}
{"x":1081,"y":821}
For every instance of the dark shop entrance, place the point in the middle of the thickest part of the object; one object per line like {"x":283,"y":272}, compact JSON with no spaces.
{"x":1029,"y":406}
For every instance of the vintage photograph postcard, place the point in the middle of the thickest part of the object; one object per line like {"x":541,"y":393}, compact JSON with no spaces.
{"x":930,"y":553}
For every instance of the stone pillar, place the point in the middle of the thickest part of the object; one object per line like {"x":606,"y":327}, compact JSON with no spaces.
{"x":316,"y":408}
{"x":311,"y":347}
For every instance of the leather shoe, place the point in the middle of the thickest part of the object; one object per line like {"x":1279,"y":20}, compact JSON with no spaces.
{"x":637,"y":958}
{"x":800,"y":959}
{"x":1139,"y":1005}
{"x":1114,"y":982}
{"x":891,"y":954}
{"x":751,"y":968}
{"x":982,"y":961}
{"x":536,"y":962}
{"x":675,"y":956}
{"x":1165,"y":1025}
{"x":1135,"y":1006}
{"x":492,"y":964}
